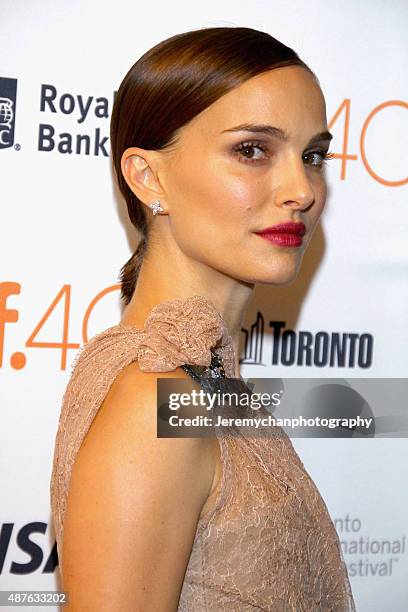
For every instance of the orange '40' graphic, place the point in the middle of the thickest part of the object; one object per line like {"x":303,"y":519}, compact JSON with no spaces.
{"x":10,"y":315}
{"x":345,"y":155}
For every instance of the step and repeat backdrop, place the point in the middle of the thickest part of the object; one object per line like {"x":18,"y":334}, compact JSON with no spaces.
{"x":65,"y":235}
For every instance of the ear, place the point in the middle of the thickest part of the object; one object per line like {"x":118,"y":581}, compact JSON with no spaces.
{"x":139,"y":171}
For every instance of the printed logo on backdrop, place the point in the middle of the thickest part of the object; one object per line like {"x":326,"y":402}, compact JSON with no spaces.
{"x":370,"y":553}
{"x":333,"y":349}
{"x":8,"y":99}
{"x":15,"y":539}
{"x":83,"y":110}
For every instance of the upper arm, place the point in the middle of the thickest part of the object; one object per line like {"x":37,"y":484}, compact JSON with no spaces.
{"x":133,"y":504}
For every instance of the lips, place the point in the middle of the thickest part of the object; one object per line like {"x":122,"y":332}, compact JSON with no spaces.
{"x":284,"y":234}
{"x":290,"y":227}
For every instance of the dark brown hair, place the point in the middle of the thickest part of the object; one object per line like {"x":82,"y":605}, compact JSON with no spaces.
{"x":168,"y":86}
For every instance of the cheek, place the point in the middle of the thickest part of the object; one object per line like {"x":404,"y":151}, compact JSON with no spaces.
{"x":315,"y":213}
{"x":320,"y":198}
{"x":217,"y":198}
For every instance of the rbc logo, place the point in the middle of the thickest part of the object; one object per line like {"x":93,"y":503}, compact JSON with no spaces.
{"x":8,"y":93}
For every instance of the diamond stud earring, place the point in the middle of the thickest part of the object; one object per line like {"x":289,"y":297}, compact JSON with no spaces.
{"x":156,"y":207}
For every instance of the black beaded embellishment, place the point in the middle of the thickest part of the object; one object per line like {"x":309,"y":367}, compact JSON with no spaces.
{"x":214,"y":370}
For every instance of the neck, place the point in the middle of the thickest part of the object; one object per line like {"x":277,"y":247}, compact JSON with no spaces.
{"x":164,"y":278}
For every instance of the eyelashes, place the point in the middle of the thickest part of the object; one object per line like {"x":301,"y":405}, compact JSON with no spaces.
{"x":247,"y":146}
{"x":243,"y":147}
{"x":327,"y":155}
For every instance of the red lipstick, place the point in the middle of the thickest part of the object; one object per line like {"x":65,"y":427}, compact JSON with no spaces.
{"x":284,"y":234}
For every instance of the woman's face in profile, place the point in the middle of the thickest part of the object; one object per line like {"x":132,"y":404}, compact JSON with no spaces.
{"x":222,"y":184}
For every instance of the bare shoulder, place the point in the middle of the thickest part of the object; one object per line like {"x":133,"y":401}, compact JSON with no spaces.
{"x":128,"y":414}
{"x":133,"y":502}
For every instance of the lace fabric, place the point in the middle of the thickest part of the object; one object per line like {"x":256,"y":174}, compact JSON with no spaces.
{"x":268,"y":543}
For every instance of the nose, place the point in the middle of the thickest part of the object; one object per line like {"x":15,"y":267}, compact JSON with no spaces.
{"x":294,"y":187}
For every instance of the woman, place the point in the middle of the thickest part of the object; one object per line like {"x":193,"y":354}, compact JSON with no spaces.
{"x":217,"y":134}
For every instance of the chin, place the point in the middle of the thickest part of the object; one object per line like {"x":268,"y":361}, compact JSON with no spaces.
{"x":278,"y":277}
{"x":279,"y":272}
{"x":281,"y":280}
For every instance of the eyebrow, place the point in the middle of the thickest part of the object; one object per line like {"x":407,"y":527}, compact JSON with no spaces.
{"x":276,"y":132}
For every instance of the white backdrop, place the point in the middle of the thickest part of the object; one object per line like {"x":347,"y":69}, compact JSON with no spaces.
{"x":65,"y":236}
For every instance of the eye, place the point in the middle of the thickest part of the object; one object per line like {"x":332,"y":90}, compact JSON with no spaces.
{"x":246,"y":149}
{"x":323,"y":155}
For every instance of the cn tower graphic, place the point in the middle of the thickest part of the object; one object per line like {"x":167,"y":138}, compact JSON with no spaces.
{"x":254,"y":341}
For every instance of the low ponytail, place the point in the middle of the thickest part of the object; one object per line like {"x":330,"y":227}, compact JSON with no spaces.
{"x":130,"y":271}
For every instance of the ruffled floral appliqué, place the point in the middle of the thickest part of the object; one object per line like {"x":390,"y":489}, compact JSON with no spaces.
{"x":181,"y":331}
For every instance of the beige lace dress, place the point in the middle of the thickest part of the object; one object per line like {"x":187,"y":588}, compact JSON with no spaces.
{"x":268,"y":543}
